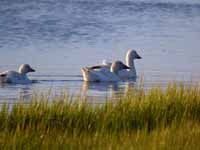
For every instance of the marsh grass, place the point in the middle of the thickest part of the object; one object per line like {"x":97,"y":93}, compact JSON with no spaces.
{"x":156,"y":119}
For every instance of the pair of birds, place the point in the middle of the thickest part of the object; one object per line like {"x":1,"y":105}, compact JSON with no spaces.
{"x":110,"y":72}
{"x":107,"y":72}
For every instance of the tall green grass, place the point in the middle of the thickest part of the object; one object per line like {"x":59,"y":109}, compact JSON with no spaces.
{"x":156,"y":119}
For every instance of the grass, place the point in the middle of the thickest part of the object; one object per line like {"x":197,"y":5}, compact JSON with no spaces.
{"x":155,"y":119}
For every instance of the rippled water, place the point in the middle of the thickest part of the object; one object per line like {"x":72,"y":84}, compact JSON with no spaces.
{"x":58,"y":37}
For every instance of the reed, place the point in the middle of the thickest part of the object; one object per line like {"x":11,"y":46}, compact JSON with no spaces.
{"x":156,"y":119}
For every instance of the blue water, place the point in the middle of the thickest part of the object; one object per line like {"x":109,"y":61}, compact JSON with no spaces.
{"x":58,"y":37}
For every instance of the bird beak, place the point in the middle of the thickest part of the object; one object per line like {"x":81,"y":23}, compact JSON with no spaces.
{"x":32,"y":70}
{"x":138,"y":57}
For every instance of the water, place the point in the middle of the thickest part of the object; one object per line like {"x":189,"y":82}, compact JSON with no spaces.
{"x":58,"y":37}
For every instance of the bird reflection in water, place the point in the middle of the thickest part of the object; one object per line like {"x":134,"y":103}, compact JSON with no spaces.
{"x":17,"y":92}
{"x":25,"y":93}
{"x":110,"y":90}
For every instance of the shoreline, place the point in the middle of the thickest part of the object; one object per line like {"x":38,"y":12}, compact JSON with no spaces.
{"x":164,"y":117}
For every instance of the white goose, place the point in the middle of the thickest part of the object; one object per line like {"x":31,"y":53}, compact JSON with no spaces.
{"x":15,"y":77}
{"x":131,"y":55}
{"x":99,"y":74}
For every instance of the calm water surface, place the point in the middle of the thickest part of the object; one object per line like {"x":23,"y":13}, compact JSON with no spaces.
{"x":58,"y":37}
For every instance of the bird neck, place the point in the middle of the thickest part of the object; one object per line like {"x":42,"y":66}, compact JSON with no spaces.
{"x":130,"y":61}
{"x":113,"y":71}
{"x":22,"y":73}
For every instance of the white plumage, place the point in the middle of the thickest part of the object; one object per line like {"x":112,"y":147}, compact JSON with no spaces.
{"x":99,"y":70}
{"x":15,"y":77}
{"x":102,"y":74}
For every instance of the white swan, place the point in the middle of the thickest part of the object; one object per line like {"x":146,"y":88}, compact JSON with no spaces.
{"x":100,"y":74}
{"x":19,"y":77}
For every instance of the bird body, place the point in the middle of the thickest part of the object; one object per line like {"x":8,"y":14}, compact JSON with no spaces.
{"x":93,"y":73}
{"x":102,"y":74}
{"x":15,"y":77}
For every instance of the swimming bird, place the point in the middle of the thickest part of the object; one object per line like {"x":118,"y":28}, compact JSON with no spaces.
{"x":100,"y":74}
{"x":131,"y":55}
{"x":15,"y":77}
{"x":130,"y":73}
